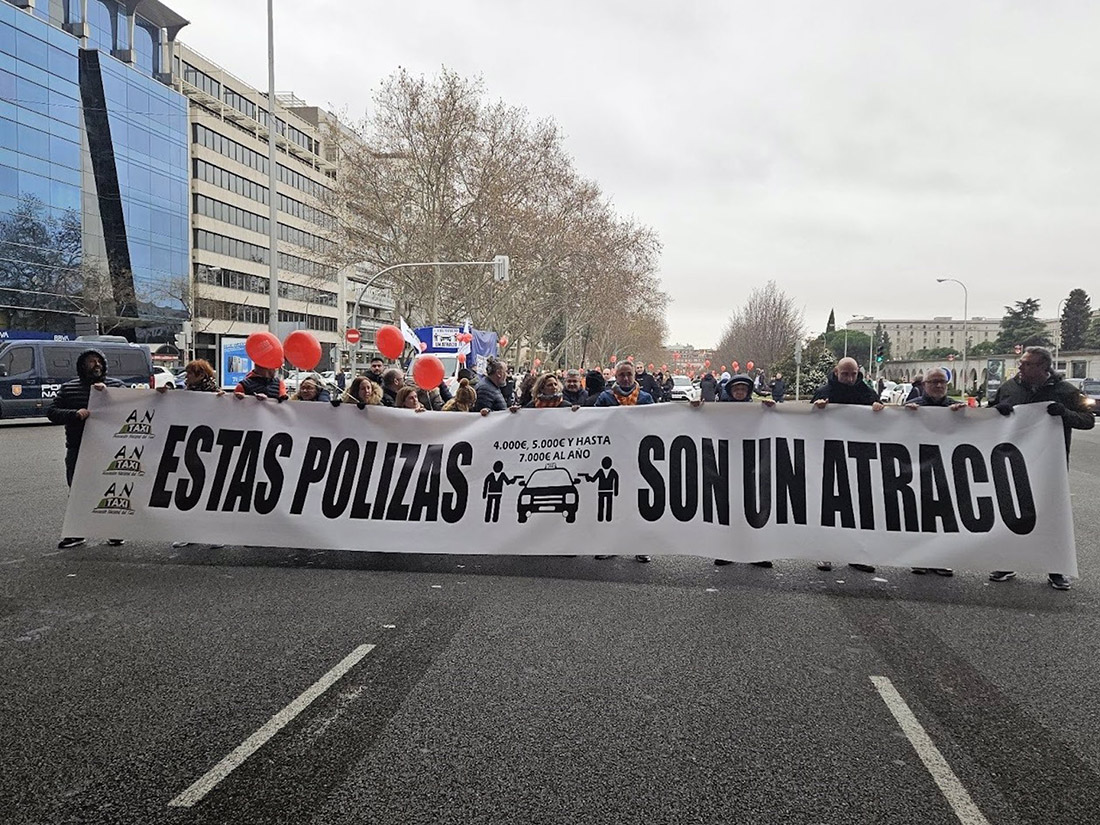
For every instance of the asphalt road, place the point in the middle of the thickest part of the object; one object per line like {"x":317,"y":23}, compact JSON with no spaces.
{"x":552,"y":690}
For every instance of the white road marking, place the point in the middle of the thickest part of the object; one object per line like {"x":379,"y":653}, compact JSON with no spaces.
{"x":949,"y":784}
{"x":211,"y":778}
{"x":12,"y":561}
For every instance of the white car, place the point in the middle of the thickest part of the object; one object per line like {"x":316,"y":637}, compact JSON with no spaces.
{"x":163,"y":377}
{"x":683,"y":389}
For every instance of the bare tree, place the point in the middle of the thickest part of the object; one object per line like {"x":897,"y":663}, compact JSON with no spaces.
{"x":764,"y":330}
{"x":440,"y":174}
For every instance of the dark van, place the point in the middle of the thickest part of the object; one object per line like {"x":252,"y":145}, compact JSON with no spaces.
{"x":31,"y":372}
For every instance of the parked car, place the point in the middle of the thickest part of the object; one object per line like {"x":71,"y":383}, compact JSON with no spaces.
{"x":164,"y":377}
{"x":1091,"y":390}
{"x":683,"y":389}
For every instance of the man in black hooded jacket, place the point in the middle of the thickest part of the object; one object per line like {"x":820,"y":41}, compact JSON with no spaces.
{"x":70,"y":407}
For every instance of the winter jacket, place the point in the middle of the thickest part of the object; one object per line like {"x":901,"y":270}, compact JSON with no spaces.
{"x":580,"y":397}
{"x":74,"y":395}
{"x":609,"y":398}
{"x":836,"y":392}
{"x":253,"y":384}
{"x":489,"y":396}
{"x":927,"y":401}
{"x":1076,"y":415}
{"x":708,"y":387}
{"x":779,"y":389}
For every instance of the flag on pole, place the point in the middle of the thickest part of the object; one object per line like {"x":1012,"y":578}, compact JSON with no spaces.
{"x":409,"y":336}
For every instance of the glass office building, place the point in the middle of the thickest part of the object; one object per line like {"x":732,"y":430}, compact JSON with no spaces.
{"x":94,"y":212}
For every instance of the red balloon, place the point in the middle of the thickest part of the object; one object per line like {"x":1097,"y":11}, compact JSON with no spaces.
{"x":650,"y":366}
{"x":422,"y":346}
{"x":676,"y":355}
{"x":749,"y":365}
{"x":302,"y":349}
{"x":462,"y":358}
{"x":264,"y":349}
{"x":614,"y":358}
{"x":706,"y":363}
{"x":389,"y":341}
{"x":736,"y":366}
{"x":503,"y":342}
{"x":538,"y":362}
{"x":664,"y":367}
{"x":427,"y":372}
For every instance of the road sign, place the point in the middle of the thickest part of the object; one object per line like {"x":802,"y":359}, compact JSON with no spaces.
{"x":352,"y":336}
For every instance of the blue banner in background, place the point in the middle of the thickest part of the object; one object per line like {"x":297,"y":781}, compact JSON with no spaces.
{"x":235,"y":363}
{"x":443,"y":339}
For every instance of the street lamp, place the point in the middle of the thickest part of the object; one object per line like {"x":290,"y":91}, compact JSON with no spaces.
{"x":966,"y":299}
{"x":272,"y":179}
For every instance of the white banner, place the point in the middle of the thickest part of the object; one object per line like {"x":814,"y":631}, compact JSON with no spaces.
{"x":929,"y":488}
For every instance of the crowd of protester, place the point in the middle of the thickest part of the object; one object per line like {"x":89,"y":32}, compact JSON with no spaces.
{"x":501,"y":388}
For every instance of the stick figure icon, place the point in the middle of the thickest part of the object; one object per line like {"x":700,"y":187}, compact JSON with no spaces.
{"x":493,"y":489}
{"x":607,"y":487}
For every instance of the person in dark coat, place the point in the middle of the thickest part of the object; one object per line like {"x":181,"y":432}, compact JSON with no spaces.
{"x":489,"y":395}
{"x":647,"y":382}
{"x":739,"y":391}
{"x":573,"y":392}
{"x":70,"y":407}
{"x":547,"y":393}
{"x":625,"y":392}
{"x":393,"y":380}
{"x":935,"y":394}
{"x":311,"y":389}
{"x":1036,"y":382}
{"x":917,"y":391}
{"x":846,"y":386}
{"x":594,"y":384}
{"x":778,"y":388}
{"x":262,"y":383}
{"x":708,"y":387}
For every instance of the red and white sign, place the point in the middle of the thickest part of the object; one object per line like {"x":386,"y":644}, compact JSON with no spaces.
{"x":352,"y":336}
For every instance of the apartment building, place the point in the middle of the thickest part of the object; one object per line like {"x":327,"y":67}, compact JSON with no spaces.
{"x":910,"y":335}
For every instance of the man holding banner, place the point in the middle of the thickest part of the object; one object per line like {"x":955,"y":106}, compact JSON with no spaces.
{"x":1036,"y":382}
{"x":846,"y":386}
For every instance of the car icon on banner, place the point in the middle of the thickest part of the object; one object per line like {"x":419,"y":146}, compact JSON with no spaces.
{"x":549,"y":490}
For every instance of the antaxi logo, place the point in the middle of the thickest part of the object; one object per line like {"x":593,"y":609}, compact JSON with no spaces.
{"x":137,"y":426}
{"x":116,"y":500}
{"x":126,"y":462}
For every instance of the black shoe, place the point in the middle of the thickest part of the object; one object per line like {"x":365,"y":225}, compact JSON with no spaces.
{"x":946,"y":572}
{"x":825,"y":565}
{"x":765,"y":564}
{"x":116,"y":542}
{"x":863,"y":568}
{"x":1058,"y":581}
{"x":70,"y":541}
{"x":1002,"y":575}
{"x":722,"y":562}
{"x":920,"y":571}
{"x":644,"y":559}
{"x":601,"y":558}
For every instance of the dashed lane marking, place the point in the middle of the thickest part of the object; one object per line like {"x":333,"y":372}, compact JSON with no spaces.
{"x":949,"y":784}
{"x":211,"y":778}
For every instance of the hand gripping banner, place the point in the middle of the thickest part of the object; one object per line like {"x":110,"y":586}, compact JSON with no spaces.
{"x":927,"y":488}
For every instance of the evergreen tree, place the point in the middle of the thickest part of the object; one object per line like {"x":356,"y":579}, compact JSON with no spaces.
{"x":1019,"y":326}
{"x":830,"y":325}
{"x":1075,"y":320}
{"x":1092,"y":341}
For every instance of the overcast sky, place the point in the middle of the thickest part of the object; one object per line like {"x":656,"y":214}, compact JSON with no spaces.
{"x":851,"y":151}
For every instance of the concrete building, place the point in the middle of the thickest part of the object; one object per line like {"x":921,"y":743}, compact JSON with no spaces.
{"x":910,"y":335}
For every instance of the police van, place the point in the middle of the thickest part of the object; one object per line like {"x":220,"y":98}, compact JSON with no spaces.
{"x":32,"y":372}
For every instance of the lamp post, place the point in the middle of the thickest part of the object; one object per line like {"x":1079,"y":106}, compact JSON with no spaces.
{"x":272,"y":179}
{"x":966,"y":317}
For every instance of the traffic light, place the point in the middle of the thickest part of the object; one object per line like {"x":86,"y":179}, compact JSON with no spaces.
{"x":879,"y":353}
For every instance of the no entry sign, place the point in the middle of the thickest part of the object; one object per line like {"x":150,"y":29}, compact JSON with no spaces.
{"x":352,"y":335}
